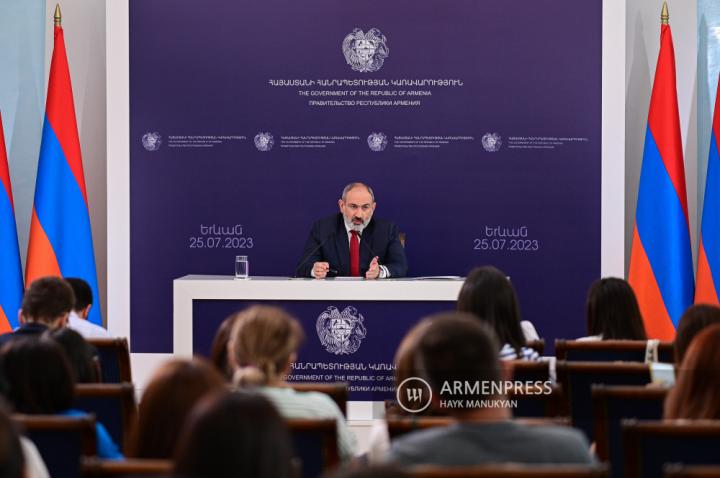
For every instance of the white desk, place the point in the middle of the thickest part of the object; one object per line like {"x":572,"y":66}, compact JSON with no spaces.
{"x":199,"y":287}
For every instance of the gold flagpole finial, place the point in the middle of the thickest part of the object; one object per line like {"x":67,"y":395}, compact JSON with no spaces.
{"x":58,"y":16}
{"x":665,"y":15}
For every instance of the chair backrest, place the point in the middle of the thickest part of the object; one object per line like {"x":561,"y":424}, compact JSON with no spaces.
{"x":651,"y":445}
{"x":113,"y":405}
{"x":537,"y":345}
{"x":114,"y":355}
{"x":697,"y":471}
{"x":61,"y":440}
{"x":337,"y":391}
{"x":610,"y":350}
{"x":96,"y":468}
{"x":533,"y":402}
{"x":527,"y":371}
{"x":316,"y":445}
{"x":509,"y":471}
{"x":577,"y":379}
{"x":612,"y":405}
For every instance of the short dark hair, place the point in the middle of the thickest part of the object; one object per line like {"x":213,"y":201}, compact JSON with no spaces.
{"x":39,"y":377}
{"x":47,"y":299}
{"x":692,"y":322}
{"x":80,"y":354}
{"x":455,"y":346}
{"x":613,"y":312}
{"x":234,"y":434}
{"x":83,"y":292}
{"x":488,"y":294}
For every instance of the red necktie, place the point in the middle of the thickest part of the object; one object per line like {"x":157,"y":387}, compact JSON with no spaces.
{"x":354,"y":254}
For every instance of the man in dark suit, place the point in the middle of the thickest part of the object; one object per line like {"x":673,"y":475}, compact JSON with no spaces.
{"x":353,"y":243}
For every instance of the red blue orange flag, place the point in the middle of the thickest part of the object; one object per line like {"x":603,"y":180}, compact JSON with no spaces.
{"x":661,"y":269}
{"x":708,"y":274}
{"x":60,"y":234}
{"x":11,"y":282}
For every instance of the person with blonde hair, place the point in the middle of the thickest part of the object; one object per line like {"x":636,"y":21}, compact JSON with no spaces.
{"x":262,"y":348}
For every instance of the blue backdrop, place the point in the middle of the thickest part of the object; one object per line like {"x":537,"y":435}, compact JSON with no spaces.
{"x":489,"y":113}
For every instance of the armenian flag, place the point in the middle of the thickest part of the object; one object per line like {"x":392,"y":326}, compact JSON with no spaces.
{"x":661,"y":268}
{"x":708,"y":273}
{"x":60,"y":234}
{"x":11,"y":282}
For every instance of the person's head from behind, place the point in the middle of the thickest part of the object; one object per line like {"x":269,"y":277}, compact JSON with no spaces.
{"x":174,"y":389}
{"x":38,"y":374}
{"x":693,"y":321}
{"x":48,"y":301}
{"x":79,"y":352}
{"x":613,"y":311}
{"x":219,"y":349}
{"x":488,"y":294}
{"x":263,"y":344}
{"x":12,"y":460}
{"x":457,"y":348}
{"x":83,"y":296}
{"x":234,"y":434}
{"x":695,"y":394}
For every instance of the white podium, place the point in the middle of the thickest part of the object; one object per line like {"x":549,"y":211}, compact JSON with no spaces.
{"x":201,"y":287}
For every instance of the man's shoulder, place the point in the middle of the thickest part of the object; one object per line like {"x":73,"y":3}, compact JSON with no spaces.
{"x":327,"y":222}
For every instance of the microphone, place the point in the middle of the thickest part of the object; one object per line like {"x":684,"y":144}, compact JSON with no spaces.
{"x":311,"y":253}
{"x":369,"y":248}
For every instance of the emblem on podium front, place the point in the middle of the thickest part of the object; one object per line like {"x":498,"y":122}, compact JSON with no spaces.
{"x":491,"y":142}
{"x":264,"y":141}
{"x":365,"y":52}
{"x":341,"y":333}
{"x":377,"y":141}
{"x":151,"y":141}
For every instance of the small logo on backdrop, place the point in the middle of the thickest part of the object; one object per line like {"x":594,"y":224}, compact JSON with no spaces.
{"x":264,"y":141}
{"x":341,"y":333}
{"x":365,"y":52}
{"x":377,"y":141}
{"x":414,"y":395}
{"x":491,"y":142}
{"x":151,"y":141}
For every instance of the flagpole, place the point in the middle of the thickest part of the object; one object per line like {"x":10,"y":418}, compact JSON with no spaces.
{"x":57,"y":17}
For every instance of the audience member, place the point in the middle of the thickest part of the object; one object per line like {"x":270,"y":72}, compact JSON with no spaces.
{"x":173,"y":391}
{"x":488,"y":294}
{"x":12,"y":457}
{"x":696,"y":394}
{"x":457,"y":347}
{"x":263,"y":345}
{"x":692,"y":322}
{"x":40,"y":381}
{"x":78,"y":319}
{"x":219,"y":349}
{"x":379,"y":436}
{"x":46,"y":305}
{"x":81,"y":355}
{"x":613,"y":312}
{"x":234,"y":434}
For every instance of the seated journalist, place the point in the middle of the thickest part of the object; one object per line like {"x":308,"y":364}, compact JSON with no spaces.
{"x":353,"y":243}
